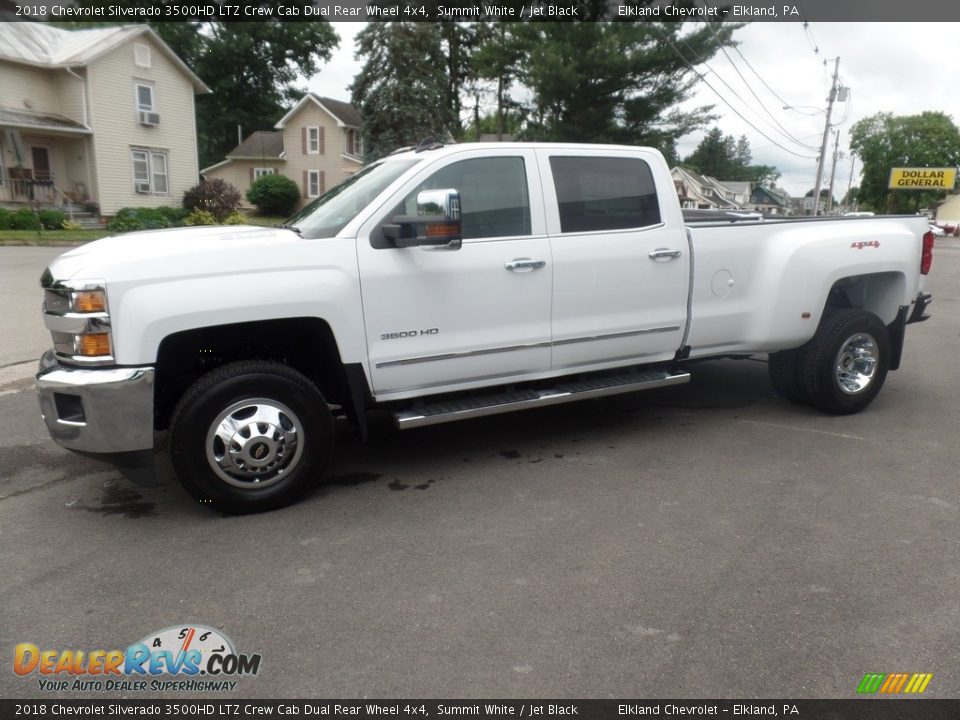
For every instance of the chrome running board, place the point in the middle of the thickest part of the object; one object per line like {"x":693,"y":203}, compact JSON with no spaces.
{"x":473,"y":407}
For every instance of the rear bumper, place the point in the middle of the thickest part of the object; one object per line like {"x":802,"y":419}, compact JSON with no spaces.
{"x":96,"y":410}
{"x":920,"y":308}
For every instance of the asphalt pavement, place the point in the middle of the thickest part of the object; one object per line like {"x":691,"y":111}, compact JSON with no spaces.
{"x":705,"y":540}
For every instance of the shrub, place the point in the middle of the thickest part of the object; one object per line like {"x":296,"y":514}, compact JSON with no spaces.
{"x":71,"y":226}
{"x":52,"y":219}
{"x":235,"y":219}
{"x":274,"y":195}
{"x":216,"y":196}
{"x":125,"y":221}
{"x":25,"y":219}
{"x":201,"y":217}
{"x":6,"y":219}
{"x":146,"y":218}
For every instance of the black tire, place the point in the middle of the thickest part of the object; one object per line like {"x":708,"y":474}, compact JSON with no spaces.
{"x":844,"y":366}
{"x":281,"y":437}
{"x":783,"y":369}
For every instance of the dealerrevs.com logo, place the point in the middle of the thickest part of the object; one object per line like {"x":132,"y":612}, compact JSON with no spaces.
{"x":188,"y":658}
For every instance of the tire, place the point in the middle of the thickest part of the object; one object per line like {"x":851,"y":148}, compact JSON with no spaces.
{"x":250,"y":436}
{"x":844,"y":366}
{"x":783,"y":369}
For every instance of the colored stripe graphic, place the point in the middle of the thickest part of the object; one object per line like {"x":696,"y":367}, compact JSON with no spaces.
{"x":894,"y":683}
{"x":871,"y":682}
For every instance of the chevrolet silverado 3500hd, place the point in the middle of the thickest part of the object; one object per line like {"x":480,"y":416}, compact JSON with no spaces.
{"x":447,"y":283}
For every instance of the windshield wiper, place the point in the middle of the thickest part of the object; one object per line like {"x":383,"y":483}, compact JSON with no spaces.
{"x":290,"y":227}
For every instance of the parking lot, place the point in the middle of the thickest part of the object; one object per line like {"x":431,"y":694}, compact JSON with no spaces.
{"x":710,"y":540}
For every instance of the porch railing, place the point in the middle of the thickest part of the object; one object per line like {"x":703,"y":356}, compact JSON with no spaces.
{"x":29,"y":190}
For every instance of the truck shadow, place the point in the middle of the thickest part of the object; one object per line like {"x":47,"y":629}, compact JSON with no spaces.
{"x":396,"y":457}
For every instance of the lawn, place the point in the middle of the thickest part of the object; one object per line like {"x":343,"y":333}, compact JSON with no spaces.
{"x":65,"y":237}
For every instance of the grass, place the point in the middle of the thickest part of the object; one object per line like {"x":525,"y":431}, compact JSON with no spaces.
{"x":49,"y":237}
{"x":66,"y":237}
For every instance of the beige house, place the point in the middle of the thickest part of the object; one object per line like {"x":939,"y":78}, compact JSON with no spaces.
{"x":103,"y":116}
{"x":316,"y":144}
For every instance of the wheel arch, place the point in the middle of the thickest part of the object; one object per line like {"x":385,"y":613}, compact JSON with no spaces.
{"x":307,"y":344}
{"x":881,"y":293}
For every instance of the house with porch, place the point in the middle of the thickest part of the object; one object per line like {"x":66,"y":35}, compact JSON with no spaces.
{"x":101,"y":117}
{"x":316,"y":144}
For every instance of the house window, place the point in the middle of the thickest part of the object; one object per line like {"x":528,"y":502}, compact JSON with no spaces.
{"x":145,"y":97}
{"x":313,"y":141}
{"x":260,"y":172}
{"x":150,"y":174}
{"x":314,"y":187}
{"x":141,"y":55}
{"x":354,"y":143}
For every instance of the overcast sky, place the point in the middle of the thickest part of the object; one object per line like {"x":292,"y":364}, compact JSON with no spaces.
{"x":903,"y":68}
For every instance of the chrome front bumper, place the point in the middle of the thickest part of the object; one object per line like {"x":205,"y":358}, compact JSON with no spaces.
{"x":106,"y":410}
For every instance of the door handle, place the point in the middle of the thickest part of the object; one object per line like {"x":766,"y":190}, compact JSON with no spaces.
{"x":664,"y":254}
{"x":524,"y":265}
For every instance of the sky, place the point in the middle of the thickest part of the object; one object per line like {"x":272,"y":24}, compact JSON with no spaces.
{"x":903,"y":68}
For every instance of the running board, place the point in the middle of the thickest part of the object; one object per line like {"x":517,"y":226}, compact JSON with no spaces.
{"x":472,"y":407}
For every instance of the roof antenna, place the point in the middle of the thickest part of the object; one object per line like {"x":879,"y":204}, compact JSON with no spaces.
{"x":429,"y":143}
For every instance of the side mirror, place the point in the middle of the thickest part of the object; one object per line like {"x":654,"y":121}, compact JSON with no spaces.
{"x":436,"y":224}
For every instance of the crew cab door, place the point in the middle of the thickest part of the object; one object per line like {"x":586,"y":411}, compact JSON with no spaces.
{"x":443,"y":318}
{"x":620,"y":260}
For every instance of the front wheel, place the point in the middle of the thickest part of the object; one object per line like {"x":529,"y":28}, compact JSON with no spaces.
{"x":845,"y":364}
{"x":250,"y":436}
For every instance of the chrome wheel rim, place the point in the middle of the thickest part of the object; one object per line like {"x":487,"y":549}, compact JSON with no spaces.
{"x":856,"y":363}
{"x":254,"y":443}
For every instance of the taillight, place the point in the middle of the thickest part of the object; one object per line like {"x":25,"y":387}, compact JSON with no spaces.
{"x":926,"y":259}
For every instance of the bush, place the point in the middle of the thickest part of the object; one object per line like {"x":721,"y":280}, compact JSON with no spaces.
{"x":130,"y":219}
{"x":6,"y":219}
{"x":52,"y":219}
{"x":235,"y":219}
{"x":125,"y":221}
{"x":71,"y":226}
{"x":25,"y":219}
{"x":201,"y":217}
{"x":216,"y":196}
{"x":274,"y":195}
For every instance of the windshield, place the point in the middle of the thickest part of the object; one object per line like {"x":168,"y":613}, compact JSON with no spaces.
{"x":329,"y":213}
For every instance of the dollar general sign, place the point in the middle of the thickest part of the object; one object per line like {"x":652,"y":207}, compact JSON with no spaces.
{"x":922,"y":178}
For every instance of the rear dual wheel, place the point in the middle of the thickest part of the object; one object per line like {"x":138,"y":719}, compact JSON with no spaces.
{"x":841,"y":370}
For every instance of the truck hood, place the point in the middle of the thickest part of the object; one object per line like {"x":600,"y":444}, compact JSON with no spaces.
{"x":198,"y":250}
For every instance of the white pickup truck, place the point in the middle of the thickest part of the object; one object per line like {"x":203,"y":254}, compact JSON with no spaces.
{"x":446,"y":283}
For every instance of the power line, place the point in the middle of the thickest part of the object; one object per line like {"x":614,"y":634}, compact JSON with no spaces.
{"x":703,"y":79}
{"x":786,"y":133}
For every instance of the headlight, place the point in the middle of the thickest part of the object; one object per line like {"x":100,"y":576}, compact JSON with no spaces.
{"x":77,"y":317}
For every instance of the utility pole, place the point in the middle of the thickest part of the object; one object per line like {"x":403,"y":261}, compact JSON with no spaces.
{"x":833,"y":169}
{"x":826,"y":138}
{"x":853,"y":161}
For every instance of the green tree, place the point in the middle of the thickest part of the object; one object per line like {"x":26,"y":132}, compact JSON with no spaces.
{"x":403,"y":89}
{"x":497,"y":59}
{"x":614,"y":81}
{"x":251,"y":69}
{"x":725,"y":158}
{"x":884,"y":141}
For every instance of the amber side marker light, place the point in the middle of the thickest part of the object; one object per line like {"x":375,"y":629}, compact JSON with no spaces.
{"x":89,"y":301}
{"x":95,"y":345}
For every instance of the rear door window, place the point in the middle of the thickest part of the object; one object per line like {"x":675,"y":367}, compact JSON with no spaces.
{"x":604,"y":193}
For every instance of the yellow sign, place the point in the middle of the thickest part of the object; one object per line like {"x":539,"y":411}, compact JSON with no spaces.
{"x":922,"y":178}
